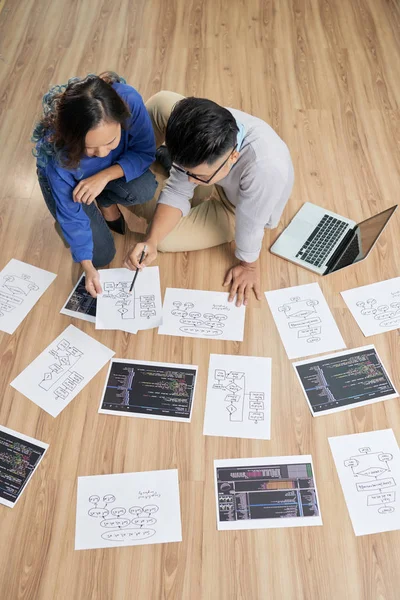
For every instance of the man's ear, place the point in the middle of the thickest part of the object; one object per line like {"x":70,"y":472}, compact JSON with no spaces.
{"x":234,"y":157}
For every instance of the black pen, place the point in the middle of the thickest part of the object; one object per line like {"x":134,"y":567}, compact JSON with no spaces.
{"x":137,"y":270}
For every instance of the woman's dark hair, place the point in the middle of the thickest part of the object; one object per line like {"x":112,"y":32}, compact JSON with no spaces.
{"x":199,"y":131}
{"x":70,"y":111}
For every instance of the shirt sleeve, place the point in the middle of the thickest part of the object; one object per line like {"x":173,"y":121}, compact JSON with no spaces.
{"x":73,"y":220}
{"x":141,"y":146}
{"x":178,"y":192}
{"x":262,"y":198}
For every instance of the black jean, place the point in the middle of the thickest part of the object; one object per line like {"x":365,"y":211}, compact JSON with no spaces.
{"x":137,"y":191}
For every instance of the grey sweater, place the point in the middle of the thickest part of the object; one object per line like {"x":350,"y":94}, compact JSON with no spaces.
{"x":258,"y":185}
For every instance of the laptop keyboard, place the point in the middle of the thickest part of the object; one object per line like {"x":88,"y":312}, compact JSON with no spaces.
{"x":322,"y":240}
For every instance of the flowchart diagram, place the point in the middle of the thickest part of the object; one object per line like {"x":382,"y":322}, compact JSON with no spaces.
{"x":125,"y":301}
{"x":196,"y":323}
{"x":372,"y":468}
{"x":62,"y":370}
{"x":387,"y":315}
{"x":239,"y":404}
{"x":14,"y":289}
{"x":302,"y":317}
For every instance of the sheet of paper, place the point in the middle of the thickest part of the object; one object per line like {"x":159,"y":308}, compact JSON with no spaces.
{"x":149,"y":390}
{"x":20,"y":456}
{"x":80,"y":304}
{"x":264,"y":493}
{"x":62,"y":370}
{"x":21,"y":286}
{"x":117,"y":308}
{"x":368,"y":465}
{"x":344,"y":380}
{"x":238,"y":400}
{"x":128,"y":509}
{"x":375,"y":307}
{"x":200,"y":314}
{"x":304,"y":320}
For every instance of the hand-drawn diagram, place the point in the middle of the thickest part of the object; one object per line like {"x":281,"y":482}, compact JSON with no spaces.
{"x":66,"y":356}
{"x":373,"y":468}
{"x":125,"y":301}
{"x":195,"y":323}
{"x":124,"y":525}
{"x":302,"y":316}
{"x":387,"y":315}
{"x":14,"y":289}
{"x":239,"y":404}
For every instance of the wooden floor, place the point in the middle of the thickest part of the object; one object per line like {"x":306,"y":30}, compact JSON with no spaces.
{"x":326,"y":75}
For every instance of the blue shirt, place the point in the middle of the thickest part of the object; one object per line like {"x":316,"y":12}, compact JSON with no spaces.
{"x":135,"y":153}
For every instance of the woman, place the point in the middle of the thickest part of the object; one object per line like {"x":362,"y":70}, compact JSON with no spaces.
{"x":95,"y":141}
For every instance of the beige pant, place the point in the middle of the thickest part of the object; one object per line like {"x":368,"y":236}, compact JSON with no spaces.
{"x":211,"y":220}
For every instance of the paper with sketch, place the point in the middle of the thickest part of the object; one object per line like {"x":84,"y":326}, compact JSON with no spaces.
{"x":20,"y":456}
{"x":238,"y":400}
{"x":61,"y":371}
{"x":368,"y":465}
{"x":304,"y":320}
{"x":375,"y":307}
{"x":117,"y":308}
{"x":21,"y":286}
{"x":262,"y":493}
{"x":80,"y":304}
{"x":128,"y":509}
{"x":344,"y":380}
{"x":196,"y":313}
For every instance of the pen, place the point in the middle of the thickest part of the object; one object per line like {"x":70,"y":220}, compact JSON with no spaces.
{"x":137,"y":270}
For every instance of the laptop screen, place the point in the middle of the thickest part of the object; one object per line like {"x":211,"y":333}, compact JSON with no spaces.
{"x":365,"y":235}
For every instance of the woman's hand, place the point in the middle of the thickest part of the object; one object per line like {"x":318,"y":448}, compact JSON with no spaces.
{"x":88,"y":189}
{"x":92,"y":279}
{"x":133,"y":257}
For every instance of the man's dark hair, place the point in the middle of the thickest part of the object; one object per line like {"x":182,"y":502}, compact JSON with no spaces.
{"x":199,"y":131}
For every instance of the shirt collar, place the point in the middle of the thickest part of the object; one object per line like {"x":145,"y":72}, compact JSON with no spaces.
{"x":240,"y":135}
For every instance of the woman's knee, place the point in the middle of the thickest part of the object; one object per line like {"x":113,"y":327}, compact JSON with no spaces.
{"x":102,"y":256}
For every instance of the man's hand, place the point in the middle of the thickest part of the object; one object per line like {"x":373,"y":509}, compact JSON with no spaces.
{"x":243,"y":278}
{"x":88,"y":189}
{"x":92,"y":279}
{"x":133,"y":257}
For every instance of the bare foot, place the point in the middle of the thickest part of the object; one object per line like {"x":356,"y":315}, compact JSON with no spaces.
{"x":110,"y":213}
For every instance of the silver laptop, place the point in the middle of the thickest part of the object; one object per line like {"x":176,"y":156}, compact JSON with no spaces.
{"x":323,"y":242}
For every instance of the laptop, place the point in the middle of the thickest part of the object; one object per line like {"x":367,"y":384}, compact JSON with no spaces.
{"x":324,"y":242}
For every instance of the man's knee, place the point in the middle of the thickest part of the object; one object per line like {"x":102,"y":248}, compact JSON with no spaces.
{"x":160,"y":106}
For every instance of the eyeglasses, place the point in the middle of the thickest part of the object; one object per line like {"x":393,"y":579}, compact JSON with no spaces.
{"x":189,"y":174}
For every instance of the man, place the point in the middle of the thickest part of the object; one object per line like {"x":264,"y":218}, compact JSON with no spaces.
{"x":250,"y":164}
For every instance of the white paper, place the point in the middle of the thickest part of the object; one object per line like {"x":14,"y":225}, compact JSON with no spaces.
{"x":18,"y":462}
{"x":253,"y":487}
{"x":117,"y":308}
{"x":149,"y":390}
{"x":62,"y":370}
{"x":21,"y":286}
{"x":304,"y":320}
{"x":80,"y":303}
{"x":344,"y":380}
{"x":375,"y":307}
{"x":128,"y":509}
{"x":201,"y":314}
{"x":368,"y":465}
{"x":238,"y":397}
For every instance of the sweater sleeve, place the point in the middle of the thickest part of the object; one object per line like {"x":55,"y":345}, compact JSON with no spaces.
{"x":73,"y":220}
{"x":263,"y":195}
{"x":141,"y":147}
{"x":178,"y":192}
